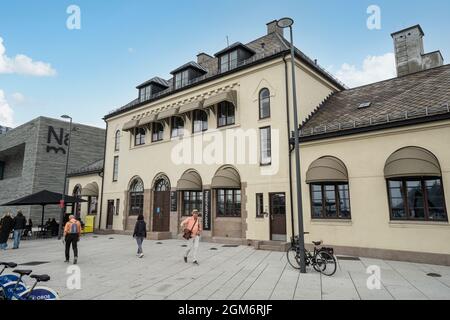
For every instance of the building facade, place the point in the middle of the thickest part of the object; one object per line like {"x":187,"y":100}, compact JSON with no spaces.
{"x":4,"y":129}
{"x":213,"y":137}
{"x":33,"y":158}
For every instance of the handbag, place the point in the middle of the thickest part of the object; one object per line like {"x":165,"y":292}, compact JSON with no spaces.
{"x":188,"y":233}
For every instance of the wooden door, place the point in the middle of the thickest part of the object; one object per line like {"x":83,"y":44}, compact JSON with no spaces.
{"x":277,"y":203}
{"x":110,"y":214}
{"x":161,"y":211}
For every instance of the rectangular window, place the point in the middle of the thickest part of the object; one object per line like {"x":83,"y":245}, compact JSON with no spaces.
{"x":116,"y":168}
{"x":200,"y":121}
{"x":2,"y":170}
{"x":181,"y":79}
{"x":177,"y":125}
{"x":228,"y":202}
{"x":265,"y":146}
{"x":192,"y":200}
{"x":260,"y":205}
{"x":417,"y":199}
{"x":117,"y":207}
{"x":229,"y":61}
{"x":139,"y":136}
{"x":92,"y":203}
{"x":225,"y":114}
{"x":157,"y":132}
{"x":330,"y":201}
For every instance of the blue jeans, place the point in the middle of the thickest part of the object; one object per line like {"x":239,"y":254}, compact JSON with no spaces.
{"x":17,"y":235}
{"x":139,"y":241}
{"x":3,"y":246}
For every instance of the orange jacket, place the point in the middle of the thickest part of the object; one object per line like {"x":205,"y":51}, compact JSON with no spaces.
{"x":188,"y":223}
{"x":69,"y":224}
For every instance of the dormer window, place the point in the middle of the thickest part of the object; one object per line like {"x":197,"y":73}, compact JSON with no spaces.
{"x":186,"y":74}
{"x":233,"y":56}
{"x":151,"y":87}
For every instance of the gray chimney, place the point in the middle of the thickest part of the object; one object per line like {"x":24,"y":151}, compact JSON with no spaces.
{"x":409,"y":52}
{"x":273,"y":28}
{"x":203,"y":58}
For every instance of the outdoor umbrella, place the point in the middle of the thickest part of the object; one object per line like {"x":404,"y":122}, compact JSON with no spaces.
{"x":43,"y":198}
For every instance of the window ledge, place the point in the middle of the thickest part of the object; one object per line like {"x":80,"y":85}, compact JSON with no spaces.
{"x":331,"y":222}
{"x":406,"y":224}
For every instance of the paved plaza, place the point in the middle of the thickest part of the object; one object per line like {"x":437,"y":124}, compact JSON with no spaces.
{"x":111,"y":270}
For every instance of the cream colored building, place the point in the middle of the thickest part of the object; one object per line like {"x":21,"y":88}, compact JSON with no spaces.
{"x":375,"y":165}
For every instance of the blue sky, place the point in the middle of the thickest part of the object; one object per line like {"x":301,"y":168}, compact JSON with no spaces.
{"x":88,"y":72}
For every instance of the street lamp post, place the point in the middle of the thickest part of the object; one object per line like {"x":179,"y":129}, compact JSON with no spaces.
{"x":287,"y":23}
{"x":61,"y":215}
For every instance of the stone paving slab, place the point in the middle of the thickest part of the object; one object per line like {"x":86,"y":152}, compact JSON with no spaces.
{"x":110,"y":270}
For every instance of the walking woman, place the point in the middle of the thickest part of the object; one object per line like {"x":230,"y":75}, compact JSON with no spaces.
{"x":140,"y":233}
{"x":192,"y":229}
{"x":6,"y":226}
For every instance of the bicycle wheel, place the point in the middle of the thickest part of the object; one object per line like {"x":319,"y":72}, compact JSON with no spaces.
{"x":326,"y":263}
{"x":293,"y":258}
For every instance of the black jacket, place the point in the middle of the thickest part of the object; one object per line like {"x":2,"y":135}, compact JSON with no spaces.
{"x":20,"y":223}
{"x":140,"y":229}
{"x":5,"y":228}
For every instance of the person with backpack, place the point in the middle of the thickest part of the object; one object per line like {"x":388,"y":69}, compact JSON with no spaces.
{"x":72,"y":231}
{"x":6,"y":226}
{"x":19,"y":224}
{"x":140,"y":233}
{"x":192,"y":231}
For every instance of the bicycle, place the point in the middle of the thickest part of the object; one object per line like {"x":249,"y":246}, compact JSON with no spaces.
{"x":8,"y":281}
{"x":322,"y":259}
{"x":33,"y":293}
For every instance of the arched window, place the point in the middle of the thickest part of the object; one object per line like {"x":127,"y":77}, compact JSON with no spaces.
{"x":162,"y":184}
{"x":117,"y":141}
{"x":136,"y":197}
{"x":264,"y":104}
{"x":414,"y":182}
{"x":225,"y":114}
{"x":329,"y":189}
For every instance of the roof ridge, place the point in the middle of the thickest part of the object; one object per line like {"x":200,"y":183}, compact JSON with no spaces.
{"x":317,"y":109}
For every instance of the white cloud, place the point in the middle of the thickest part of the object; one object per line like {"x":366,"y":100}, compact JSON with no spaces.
{"x":22,"y":64}
{"x":18,"y":98}
{"x":6,"y":113}
{"x":374,"y":69}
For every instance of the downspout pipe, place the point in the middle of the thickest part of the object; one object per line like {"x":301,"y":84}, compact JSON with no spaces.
{"x":289,"y":143}
{"x":103,"y":178}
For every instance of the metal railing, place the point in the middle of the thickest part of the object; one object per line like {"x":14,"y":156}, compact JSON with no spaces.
{"x":376,"y":120}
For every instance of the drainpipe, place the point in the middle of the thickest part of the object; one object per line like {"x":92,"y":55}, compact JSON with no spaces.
{"x":103,"y":178}
{"x":289,"y":143}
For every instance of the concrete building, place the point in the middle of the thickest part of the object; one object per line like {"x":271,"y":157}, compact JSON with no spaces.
{"x":4,"y":129}
{"x":33,"y":158}
{"x":217,"y":137}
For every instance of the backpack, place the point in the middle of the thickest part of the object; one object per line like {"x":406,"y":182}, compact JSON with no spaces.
{"x":73,"y":228}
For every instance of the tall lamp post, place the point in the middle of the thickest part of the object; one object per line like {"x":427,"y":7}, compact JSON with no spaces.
{"x":287,"y":23}
{"x":62,"y":204}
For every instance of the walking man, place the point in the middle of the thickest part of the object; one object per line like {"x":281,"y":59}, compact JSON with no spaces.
{"x":72,"y":231}
{"x":19,"y":224}
{"x":140,"y":233}
{"x":192,"y":225}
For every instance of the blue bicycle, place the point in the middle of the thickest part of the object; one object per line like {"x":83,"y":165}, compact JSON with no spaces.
{"x":13,"y":288}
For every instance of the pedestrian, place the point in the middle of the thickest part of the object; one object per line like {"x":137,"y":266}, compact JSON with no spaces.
{"x":19,"y":224}
{"x":140,"y":233}
{"x":192,"y":231}
{"x":28,"y":228}
{"x":6,"y":226}
{"x":72,"y":231}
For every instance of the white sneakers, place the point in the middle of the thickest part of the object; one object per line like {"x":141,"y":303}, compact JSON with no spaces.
{"x":141,"y":255}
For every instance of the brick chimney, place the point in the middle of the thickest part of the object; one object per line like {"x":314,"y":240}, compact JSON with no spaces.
{"x":273,"y":28}
{"x":409,"y":52}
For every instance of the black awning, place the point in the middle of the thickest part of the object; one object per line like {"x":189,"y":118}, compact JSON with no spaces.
{"x":43,"y":198}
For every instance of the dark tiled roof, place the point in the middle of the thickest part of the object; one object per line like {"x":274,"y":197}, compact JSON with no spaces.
{"x":191,"y":64}
{"x":265,"y":47}
{"x":156,"y":80}
{"x":423,"y":94}
{"x":233,"y":46}
{"x":95,"y":167}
